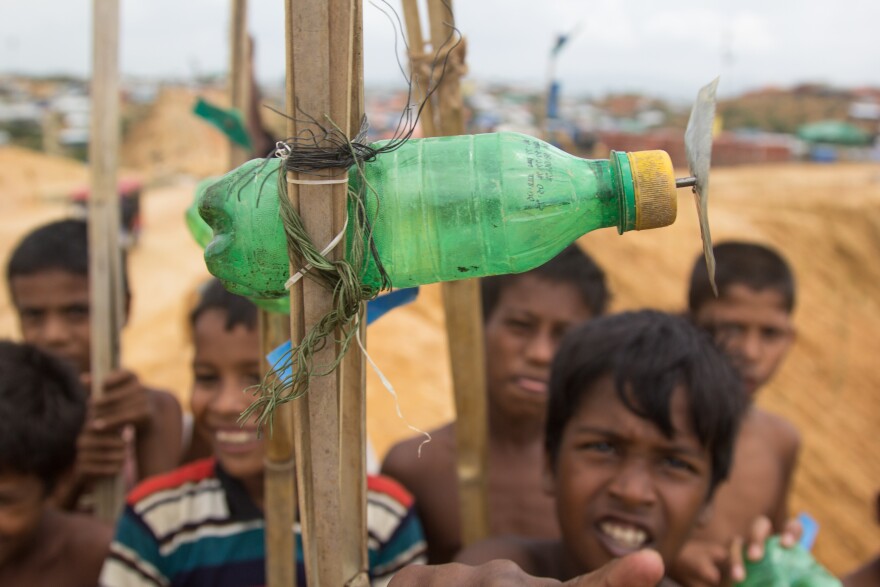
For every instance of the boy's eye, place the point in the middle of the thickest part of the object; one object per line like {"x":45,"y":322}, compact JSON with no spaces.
{"x":29,"y":314}
{"x":205,"y":379}
{"x":771,"y":333}
{"x":77,"y":312}
{"x":678,"y":464}
{"x":518,"y":324}
{"x":600,"y":447}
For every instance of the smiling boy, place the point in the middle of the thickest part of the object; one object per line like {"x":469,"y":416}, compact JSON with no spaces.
{"x":202,"y":524}
{"x":525,"y":317}
{"x":641,"y":423}
{"x":42,"y":408}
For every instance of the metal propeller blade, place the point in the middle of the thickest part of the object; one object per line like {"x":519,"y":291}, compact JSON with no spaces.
{"x":698,"y":148}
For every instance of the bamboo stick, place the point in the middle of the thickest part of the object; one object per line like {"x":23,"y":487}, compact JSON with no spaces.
{"x":105,"y":261}
{"x":321,"y":37}
{"x":353,"y":404}
{"x":464,"y":329}
{"x":417,"y":47}
{"x":279,"y":502}
{"x":239,"y":72}
{"x":279,"y":475}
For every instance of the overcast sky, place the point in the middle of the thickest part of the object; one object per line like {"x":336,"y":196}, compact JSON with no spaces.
{"x":665,"y":47}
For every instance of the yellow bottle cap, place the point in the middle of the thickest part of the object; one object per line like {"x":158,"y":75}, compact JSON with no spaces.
{"x":654,"y":183}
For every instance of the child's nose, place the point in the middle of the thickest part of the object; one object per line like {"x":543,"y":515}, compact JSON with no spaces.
{"x":633,"y":484}
{"x":541,"y":347}
{"x":55,"y":330}
{"x":232,"y":400}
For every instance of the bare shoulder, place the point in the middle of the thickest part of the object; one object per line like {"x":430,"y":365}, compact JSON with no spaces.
{"x":86,"y":545}
{"x":165,"y":401}
{"x":776,"y":429}
{"x":865,"y":576}
{"x":404,"y":463}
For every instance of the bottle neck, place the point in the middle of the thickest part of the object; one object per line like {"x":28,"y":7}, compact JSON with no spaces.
{"x":621,"y":176}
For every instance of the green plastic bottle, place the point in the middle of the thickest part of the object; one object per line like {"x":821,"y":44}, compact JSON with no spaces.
{"x":786,"y":567}
{"x":447,"y":208}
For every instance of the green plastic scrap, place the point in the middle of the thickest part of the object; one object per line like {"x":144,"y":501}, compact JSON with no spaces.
{"x":229,"y":121}
{"x":787,"y":567}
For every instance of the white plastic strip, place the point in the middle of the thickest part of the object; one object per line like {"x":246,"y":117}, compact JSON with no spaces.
{"x":387,"y":384}
{"x":299,"y":274}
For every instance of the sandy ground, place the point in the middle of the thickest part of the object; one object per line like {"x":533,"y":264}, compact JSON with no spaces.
{"x":825,"y":218}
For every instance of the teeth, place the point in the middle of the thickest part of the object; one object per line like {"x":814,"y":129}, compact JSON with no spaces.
{"x":234,"y":436}
{"x":626,"y":536}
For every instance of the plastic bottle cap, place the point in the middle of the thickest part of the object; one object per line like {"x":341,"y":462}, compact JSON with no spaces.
{"x":655,"y":195}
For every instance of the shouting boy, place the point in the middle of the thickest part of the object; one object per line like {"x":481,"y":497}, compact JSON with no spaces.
{"x":751,"y":321}
{"x":48,"y":277}
{"x":42,"y":408}
{"x":642,"y":419}
{"x":525,"y":317}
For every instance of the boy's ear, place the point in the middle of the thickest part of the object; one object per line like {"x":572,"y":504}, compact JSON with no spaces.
{"x":548,"y":477}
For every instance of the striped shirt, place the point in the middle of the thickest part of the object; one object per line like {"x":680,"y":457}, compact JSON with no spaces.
{"x":197,"y":526}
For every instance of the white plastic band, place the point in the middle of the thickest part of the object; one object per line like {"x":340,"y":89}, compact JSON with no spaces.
{"x":387,"y":384}
{"x":299,"y":274}
{"x":317,"y":181}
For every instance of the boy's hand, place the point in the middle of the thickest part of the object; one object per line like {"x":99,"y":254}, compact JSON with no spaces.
{"x":761,"y":530}
{"x":99,"y":453}
{"x":124,"y":401}
{"x":640,"y":569}
{"x":701,"y":563}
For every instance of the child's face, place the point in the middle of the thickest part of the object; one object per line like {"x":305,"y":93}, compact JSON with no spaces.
{"x":226,"y":362}
{"x":22,"y":501}
{"x":754,"y":329}
{"x":621,"y":485}
{"x":522,"y":335}
{"x":53,"y":311}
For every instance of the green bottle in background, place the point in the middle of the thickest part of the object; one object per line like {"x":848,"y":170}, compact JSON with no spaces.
{"x":786,"y":567}
{"x":447,"y":208}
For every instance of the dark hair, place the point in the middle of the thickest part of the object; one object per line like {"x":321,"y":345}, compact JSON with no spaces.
{"x":572,"y":266}
{"x":755,"y":266}
{"x":63,"y":244}
{"x":647,"y":354}
{"x":42,"y":410}
{"x":238,"y":309}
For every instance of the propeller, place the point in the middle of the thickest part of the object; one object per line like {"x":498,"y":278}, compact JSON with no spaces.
{"x":698,"y":148}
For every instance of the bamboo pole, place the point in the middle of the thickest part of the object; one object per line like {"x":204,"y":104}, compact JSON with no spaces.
{"x":107,"y":311}
{"x":417,"y":47}
{"x":279,"y":475}
{"x":320,"y":67}
{"x":239,"y":72}
{"x":464,"y":321}
{"x":279,"y":502}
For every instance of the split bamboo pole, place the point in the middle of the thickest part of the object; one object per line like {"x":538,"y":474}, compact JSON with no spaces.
{"x":279,"y":476}
{"x":461,"y":302}
{"x":321,"y":65}
{"x":239,"y":72}
{"x":107,"y":306}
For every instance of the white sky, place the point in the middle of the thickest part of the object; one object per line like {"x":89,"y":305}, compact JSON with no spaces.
{"x":664,"y":47}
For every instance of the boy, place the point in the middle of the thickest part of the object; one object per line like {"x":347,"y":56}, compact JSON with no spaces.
{"x":641,"y":424}
{"x":48,"y":277}
{"x":42,"y":408}
{"x":202,"y":524}
{"x":751,"y":321}
{"x":525,"y":317}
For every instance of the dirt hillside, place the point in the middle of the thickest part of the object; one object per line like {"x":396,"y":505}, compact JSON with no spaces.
{"x":825,"y":218}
